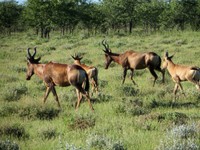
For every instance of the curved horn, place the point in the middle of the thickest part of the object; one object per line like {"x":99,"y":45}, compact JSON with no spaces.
{"x":106,"y":46}
{"x":103,"y":43}
{"x":76,"y":57}
{"x":29,"y":54}
{"x":34,"y":52}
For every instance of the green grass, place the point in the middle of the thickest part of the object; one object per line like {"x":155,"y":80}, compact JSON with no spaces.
{"x":126,"y":116}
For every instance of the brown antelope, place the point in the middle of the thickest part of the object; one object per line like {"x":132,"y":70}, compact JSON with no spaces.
{"x":58,"y":74}
{"x":92,"y":72}
{"x":134,"y":60}
{"x":181,"y":73}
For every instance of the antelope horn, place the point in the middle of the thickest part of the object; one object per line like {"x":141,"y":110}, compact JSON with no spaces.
{"x":166,"y":54}
{"x":103,"y":43}
{"x":34,"y":52}
{"x":29,"y":54}
{"x":105,"y":46}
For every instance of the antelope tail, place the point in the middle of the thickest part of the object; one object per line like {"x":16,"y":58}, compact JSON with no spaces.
{"x":159,"y":63}
{"x":196,"y":75}
{"x":87,"y":86}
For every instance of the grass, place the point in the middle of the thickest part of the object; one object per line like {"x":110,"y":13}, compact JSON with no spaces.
{"x":125,"y":117}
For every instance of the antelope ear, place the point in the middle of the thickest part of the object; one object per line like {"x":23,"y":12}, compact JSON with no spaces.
{"x":166,"y":54}
{"x":104,"y":51}
{"x":170,"y":57}
{"x":38,"y":59}
{"x":72,"y":57}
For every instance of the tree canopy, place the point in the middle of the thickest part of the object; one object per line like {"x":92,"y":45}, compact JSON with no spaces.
{"x":104,"y":16}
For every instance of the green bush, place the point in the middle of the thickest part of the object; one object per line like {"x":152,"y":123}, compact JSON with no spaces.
{"x":48,"y":134}
{"x":132,"y":107}
{"x":8,"y":145}
{"x":104,"y":143}
{"x":47,"y":113}
{"x":81,"y":122}
{"x":103,"y":97}
{"x":28,"y":112}
{"x":7,"y":110}
{"x":14,"y":93}
{"x":175,"y":117}
{"x":15,"y":130}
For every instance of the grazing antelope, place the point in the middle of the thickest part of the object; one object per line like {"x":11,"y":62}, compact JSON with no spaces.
{"x":181,"y":73}
{"x":134,"y":60}
{"x":59,"y":74}
{"x":92,"y":72}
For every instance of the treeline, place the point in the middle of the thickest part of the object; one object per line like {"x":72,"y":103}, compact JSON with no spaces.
{"x":104,"y":16}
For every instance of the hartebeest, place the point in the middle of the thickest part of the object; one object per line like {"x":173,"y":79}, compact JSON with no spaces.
{"x":59,"y":74}
{"x":134,"y":60}
{"x":92,"y":72}
{"x":181,"y":73}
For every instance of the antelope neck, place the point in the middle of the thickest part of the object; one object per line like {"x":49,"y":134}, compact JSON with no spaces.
{"x":38,"y":70}
{"x":170,"y":66}
{"x":116,"y":58}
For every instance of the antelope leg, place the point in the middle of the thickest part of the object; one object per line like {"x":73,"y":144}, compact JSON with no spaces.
{"x":124,"y":75}
{"x":132,"y":72}
{"x":55,"y":95}
{"x":48,"y":89}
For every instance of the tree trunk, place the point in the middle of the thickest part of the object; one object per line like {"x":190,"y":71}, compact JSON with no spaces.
{"x":130,"y":26}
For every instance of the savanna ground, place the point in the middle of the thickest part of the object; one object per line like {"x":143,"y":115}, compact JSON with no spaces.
{"x":125,"y":117}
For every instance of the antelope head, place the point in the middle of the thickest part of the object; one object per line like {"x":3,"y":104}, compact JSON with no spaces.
{"x":30,"y":61}
{"x":166,"y":59}
{"x":108,"y":53}
{"x":76,"y":57}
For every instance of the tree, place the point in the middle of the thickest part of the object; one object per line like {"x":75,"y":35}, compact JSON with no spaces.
{"x":10,"y":13}
{"x":38,"y":14}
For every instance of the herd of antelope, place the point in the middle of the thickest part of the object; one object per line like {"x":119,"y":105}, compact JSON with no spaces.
{"x":79,"y":74}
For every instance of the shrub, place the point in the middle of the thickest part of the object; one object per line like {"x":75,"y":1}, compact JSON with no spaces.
{"x":81,"y":122}
{"x":8,"y":145}
{"x":103,"y":97}
{"x":28,"y":112}
{"x":7,"y":110}
{"x":175,"y":117}
{"x":48,"y":134}
{"x":13,"y":93}
{"x":66,"y":146}
{"x":132,"y":107}
{"x":47,"y":113}
{"x":102,"y":142}
{"x":102,"y":83}
{"x":15,"y":130}
{"x":129,"y":91}
{"x":180,"y":138}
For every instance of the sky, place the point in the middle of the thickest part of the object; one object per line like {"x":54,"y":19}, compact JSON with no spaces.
{"x":21,"y":1}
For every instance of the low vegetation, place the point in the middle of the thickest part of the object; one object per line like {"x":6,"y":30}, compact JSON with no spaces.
{"x":125,"y":117}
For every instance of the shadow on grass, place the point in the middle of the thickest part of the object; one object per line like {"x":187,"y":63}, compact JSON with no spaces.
{"x":156,"y":104}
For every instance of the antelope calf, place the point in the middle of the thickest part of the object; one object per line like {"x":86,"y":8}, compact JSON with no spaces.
{"x":181,"y":73}
{"x":132,"y":60}
{"x":92,"y":72}
{"x":59,"y":74}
